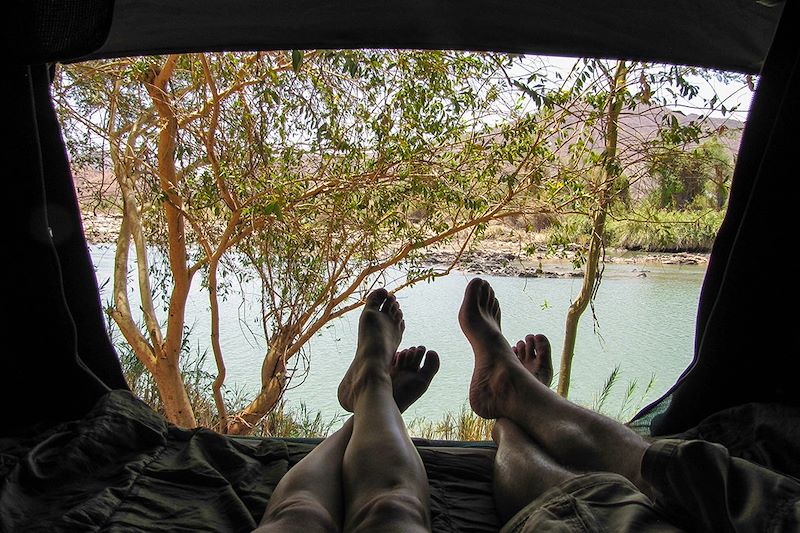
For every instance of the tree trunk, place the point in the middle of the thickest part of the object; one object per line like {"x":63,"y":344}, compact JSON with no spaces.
{"x":172,"y":390}
{"x":604,"y":191}
{"x":244,"y":421}
{"x":176,"y":405}
{"x":216,"y":386}
{"x":273,"y":380}
{"x":576,"y":309}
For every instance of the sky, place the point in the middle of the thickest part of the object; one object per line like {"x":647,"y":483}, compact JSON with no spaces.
{"x":732,"y":94}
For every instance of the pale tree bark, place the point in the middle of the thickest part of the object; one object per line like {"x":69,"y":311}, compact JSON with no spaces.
{"x":604,"y":197}
{"x":161,"y":352}
{"x":148,"y":351}
{"x":167,"y":370}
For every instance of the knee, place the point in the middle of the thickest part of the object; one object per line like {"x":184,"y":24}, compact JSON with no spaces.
{"x":398,"y":509}
{"x":300,"y":510}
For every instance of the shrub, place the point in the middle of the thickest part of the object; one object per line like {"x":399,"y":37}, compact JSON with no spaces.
{"x":667,"y":231}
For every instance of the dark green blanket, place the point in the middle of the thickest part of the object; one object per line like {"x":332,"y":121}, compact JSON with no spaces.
{"x":123,"y":468}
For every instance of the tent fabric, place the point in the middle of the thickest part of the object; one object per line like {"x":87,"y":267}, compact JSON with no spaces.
{"x":121,"y":467}
{"x":80,"y":284}
{"x":45,"y":31}
{"x":726,"y":34}
{"x":57,"y":383}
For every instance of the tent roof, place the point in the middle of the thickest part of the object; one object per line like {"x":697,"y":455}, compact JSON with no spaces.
{"x":726,"y":34}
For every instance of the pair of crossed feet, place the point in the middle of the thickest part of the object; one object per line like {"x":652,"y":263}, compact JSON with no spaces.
{"x":411,"y":370}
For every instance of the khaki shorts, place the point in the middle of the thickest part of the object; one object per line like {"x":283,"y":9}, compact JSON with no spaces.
{"x":698,"y":486}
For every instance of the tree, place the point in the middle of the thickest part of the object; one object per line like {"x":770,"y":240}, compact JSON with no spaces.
{"x":602,"y":184}
{"x":300,"y":168}
{"x":683,"y":176}
{"x":718,"y":166}
{"x":613,"y":122}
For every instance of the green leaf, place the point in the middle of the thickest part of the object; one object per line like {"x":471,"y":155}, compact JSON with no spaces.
{"x":297,"y":60}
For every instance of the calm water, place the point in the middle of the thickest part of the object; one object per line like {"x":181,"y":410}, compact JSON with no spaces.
{"x":644,"y":324}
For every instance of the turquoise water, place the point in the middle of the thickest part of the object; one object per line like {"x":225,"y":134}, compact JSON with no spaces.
{"x":644,"y":324}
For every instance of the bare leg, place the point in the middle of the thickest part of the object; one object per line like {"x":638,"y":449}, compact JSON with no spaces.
{"x":385,"y":483}
{"x":522,"y":472}
{"x":502,"y":387}
{"x":310,"y":496}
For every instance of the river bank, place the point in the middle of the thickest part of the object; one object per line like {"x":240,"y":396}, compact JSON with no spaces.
{"x":490,"y":258}
{"x":505,"y":251}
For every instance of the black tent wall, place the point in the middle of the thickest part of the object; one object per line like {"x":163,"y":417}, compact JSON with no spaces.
{"x":745,"y":347}
{"x":727,"y":34}
{"x":48,"y":324}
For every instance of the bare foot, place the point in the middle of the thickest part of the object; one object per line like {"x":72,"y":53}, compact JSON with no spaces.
{"x":534,"y":354}
{"x":380,"y":330}
{"x":410,"y":379}
{"x":495,"y":362}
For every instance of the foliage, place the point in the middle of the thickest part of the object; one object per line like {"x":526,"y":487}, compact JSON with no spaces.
{"x":632,"y":399}
{"x":461,"y":425}
{"x":301,"y":167}
{"x":297,"y":423}
{"x":654,"y":230}
{"x":686,"y":178}
{"x":315,"y":173}
{"x":282,"y":421}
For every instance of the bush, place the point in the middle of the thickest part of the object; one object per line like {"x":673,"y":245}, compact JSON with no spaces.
{"x":532,"y":222}
{"x":463,"y":425}
{"x":666,"y":231}
{"x":569,"y":229}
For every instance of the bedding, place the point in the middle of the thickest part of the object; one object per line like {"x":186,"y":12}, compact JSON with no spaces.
{"x":124,"y":468}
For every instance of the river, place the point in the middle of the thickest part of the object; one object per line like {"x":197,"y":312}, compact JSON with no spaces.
{"x":645,"y":325}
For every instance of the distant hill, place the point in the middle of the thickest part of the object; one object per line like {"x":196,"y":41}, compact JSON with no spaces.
{"x":637,"y":127}
{"x":640,"y":126}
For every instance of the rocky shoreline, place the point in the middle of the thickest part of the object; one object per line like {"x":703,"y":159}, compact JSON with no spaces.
{"x":492,"y":262}
{"x":492,"y":257}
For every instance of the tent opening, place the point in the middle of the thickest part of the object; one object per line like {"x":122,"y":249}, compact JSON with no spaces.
{"x":240,"y":206}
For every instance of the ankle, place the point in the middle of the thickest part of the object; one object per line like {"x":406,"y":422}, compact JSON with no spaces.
{"x":371,"y":374}
{"x":518,"y":390}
